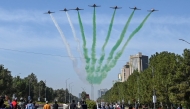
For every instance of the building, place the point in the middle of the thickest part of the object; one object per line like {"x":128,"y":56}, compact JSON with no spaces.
{"x":79,"y":95}
{"x":125,"y":72}
{"x":137,"y":62}
{"x":102,"y":92}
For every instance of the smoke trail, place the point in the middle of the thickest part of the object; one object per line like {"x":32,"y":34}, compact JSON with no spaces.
{"x":75,"y":37}
{"x":98,"y":78}
{"x":118,"y":42}
{"x":80,"y":72}
{"x":106,"y":41}
{"x":84,"y":43}
{"x":93,"y":54}
{"x":119,"y":53}
{"x":63,"y":38}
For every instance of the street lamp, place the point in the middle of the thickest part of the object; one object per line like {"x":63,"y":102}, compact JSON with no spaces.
{"x":29,"y":88}
{"x":83,"y":88}
{"x":45,"y":89}
{"x":184,"y":41}
{"x":154,"y":93}
{"x":69,"y":91}
{"x":65,"y":91}
{"x":39,"y":93}
{"x":18,"y":74}
{"x":70,"y":98}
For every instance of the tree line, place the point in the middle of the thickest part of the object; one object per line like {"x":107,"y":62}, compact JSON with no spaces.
{"x":23,"y":87}
{"x":168,"y":77}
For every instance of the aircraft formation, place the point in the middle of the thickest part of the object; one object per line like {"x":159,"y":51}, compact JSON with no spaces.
{"x":94,"y":5}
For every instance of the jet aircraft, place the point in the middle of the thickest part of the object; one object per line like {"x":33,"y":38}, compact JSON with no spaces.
{"x":77,"y":9}
{"x":94,"y":5}
{"x":64,"y":10}
{"x":49,"y":12}
{"x":135,"y":8}
{"x":116,"y":7}
{"x":152,"y":10}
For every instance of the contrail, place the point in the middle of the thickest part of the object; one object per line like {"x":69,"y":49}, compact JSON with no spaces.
{"x":119,"y":53}
{"x":118,"y":42}
{"x":84,"y":44}
{"x":93,"y":54}
{"x":75,"y":37}
{"x":63,"y":38}
{"x":106,"y":41}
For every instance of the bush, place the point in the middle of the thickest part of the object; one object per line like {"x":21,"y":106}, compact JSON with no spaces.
{"x":91,"y":104}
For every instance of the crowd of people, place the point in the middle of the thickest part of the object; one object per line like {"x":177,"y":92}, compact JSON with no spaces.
{"x":7,"y":103}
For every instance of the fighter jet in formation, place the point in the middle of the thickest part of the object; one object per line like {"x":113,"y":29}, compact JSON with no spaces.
{"x":77,"y":9}
{"x":135,"y":8}
{"x":94,"y":5}
{"x":152,"y":10}
{"x":64,"y":10}
{"x":116,"y":7}
{"x":49,"y":12}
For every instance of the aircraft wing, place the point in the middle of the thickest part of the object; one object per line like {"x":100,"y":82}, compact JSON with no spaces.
{"x":118,"y":7}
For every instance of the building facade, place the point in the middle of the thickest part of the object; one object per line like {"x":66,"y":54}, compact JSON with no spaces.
{"x":102,"y":92}
{"x":125,"y":72}
{"x":137,"y":62}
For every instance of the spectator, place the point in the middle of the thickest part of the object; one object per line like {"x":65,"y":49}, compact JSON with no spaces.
{"x":73,"y":105}
{"x":14,"y":103}
{"x":47,"y":106}
{"x":30,"y":105}
{"x":55,"y":105}
{"x":2,"y":105}
{"x":21,"y":104}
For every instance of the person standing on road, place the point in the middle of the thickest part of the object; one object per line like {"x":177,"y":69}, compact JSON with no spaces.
{"x":55,"y":105}
{"x":73,"y":105}
{"x":47,"y":106}
{"x":14,"y":103}
{"x":30,"y":105}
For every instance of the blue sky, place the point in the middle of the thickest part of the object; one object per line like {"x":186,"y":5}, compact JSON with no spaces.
{"x":24,"y":27}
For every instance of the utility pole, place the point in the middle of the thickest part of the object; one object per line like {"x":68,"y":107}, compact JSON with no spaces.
{"x":45,"y":90}
{"x":66,"y":91}
{"x":154,"y":95}
{"x":69,"y":92}
{"x":138,"y":88}
{"x":29,"y":89}
{"x":39,"y":93}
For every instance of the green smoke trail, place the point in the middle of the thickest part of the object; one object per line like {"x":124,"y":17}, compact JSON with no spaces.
{"x":98,"y":79}
{"x":118,"y":42}
{"x":84,"y":42}
{"x":106,"y":41}
{"x":93,"y":54}
{"x":119,"y":53}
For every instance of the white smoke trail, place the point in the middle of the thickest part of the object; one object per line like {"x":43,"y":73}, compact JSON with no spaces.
{"x":80,"y":72}
{"x":63,"y":38}
{"x":75,"y":37}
